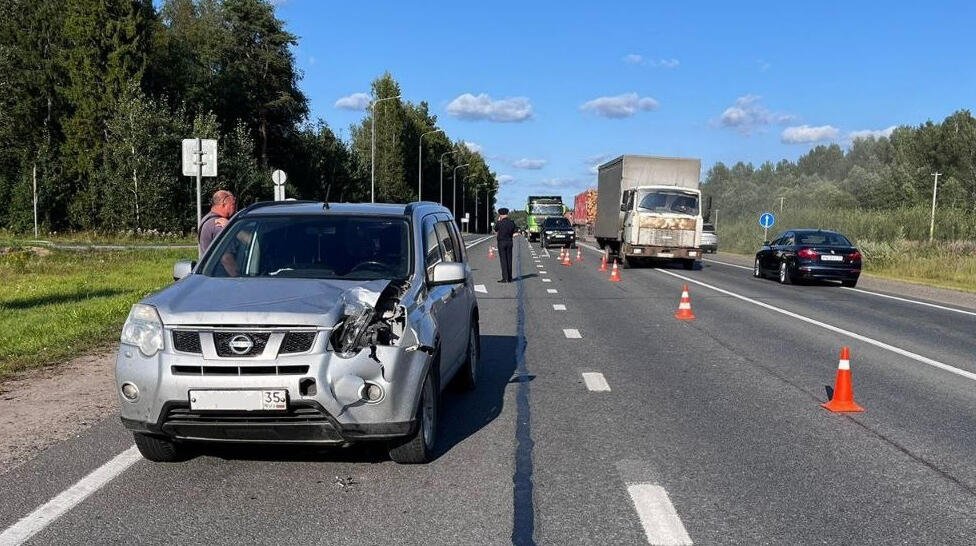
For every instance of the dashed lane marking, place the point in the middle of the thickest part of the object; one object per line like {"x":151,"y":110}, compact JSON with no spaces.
{"x":596,"y":382}
{"x":657,"y":515}
{"x":53,"y":509}
{"x":546,"y":280}
{"x":572,"y":333}
{"x":543,"y":272}
{"x":552,"y":291}
{"x":558,"y":307}
{"x":480,"y":288}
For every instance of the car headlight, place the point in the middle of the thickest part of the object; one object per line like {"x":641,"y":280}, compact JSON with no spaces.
{"x":348,"y":339}
{"x":143,"y":329}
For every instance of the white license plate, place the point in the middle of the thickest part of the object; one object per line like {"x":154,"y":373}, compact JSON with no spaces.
{"x":234,"y":400}
{"x":831,"y":258}
{"x":665,"y":255}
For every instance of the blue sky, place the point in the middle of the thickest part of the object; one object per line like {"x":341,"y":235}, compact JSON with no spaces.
{"x":548,"y":89}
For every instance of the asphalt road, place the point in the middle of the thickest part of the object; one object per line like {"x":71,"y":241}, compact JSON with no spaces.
{"x":706,"y":431}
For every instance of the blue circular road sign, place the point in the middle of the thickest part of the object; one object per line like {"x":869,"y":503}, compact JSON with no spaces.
{"x":767,"y":220}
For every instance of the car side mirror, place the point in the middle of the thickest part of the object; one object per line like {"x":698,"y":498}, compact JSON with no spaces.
{"x":447,"y":273}
{"x":183,"y":268}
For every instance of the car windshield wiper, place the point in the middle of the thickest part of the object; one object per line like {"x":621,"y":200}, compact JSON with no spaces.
{"x":273,"y":273}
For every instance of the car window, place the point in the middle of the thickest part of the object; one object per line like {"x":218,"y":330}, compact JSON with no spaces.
{"x":448,"y":250}
{"x":708,"y":227}
{"x":314,"y":246}
{"x":458,"y":241}
{"x":432,"y":249}
{"x":823,"y":238}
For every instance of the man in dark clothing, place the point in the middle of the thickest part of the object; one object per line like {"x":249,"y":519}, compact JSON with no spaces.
{"x":505,"y":229}
{"x":223,"y":205}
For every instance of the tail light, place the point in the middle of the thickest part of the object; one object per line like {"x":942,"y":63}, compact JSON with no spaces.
{"x":854,"y":256}
{"x":807,"y":253}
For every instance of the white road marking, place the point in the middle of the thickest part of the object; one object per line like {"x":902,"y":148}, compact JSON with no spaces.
{"x":478,"y":242}
{"x":540,"y":266}
{"x":546,"y":280}
{"x":480,"y":288}
{"x":824,"y":325}
{"x":552,"y":291}
{"x":40,"y":518}
{"x":543,"y":272}
{"x":878,"y":294}
{"x":596,"y":382}
{"x":572,"y":333}
{"x":558,"y":307}
{"x":660,"y":520}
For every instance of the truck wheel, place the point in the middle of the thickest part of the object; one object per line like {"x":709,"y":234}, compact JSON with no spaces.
{"x":689,"y":264}
{"x":418,"y":448}
{"x":159,"y":449}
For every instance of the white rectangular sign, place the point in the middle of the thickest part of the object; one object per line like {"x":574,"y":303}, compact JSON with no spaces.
{"x":191,"y":155}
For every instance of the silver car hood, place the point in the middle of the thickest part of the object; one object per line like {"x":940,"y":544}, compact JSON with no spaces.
{"x":202,"y":300}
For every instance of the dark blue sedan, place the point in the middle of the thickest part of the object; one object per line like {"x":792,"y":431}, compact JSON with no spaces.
{"x":809,"y":254}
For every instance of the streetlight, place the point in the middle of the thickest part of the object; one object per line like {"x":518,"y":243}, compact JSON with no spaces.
{"x":372,"y":152}
{"x":442,"y":173}
{"x":454,"y":190}
{"x":935,"y":190}
{"x":420,"y":161}
{"x":488,"y":209}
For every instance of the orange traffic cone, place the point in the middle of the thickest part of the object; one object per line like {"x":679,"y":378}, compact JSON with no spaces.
{"x":615,"y":273}
{"x":491,"y":252}
{"x":843,"y":399}
{"x":579,"y":254}
{"x":684,"y":306}
{"x":603,"y":262}
{"x":566,"y":260}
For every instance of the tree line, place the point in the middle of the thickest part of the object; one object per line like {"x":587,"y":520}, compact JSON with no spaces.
{"x":96,"y":95}
{"x":881,"y":174}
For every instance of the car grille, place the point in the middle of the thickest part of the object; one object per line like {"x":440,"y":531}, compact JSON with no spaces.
{"x":222,"y":343}
{"x":296,"y":342}
{"x":187,"y":341}
{"x":239,"y":370}
{"x":667,"y":237}
{"x":296,"y":413}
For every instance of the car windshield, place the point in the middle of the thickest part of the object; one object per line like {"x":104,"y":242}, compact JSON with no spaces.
{"x":822,"y":238}
{"x":544,"y":209}
{"x":313,"y":247}
{"x":556,"y":223}
{"x":669,"y":201}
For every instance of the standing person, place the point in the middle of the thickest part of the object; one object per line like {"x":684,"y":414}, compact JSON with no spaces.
{"x":505,"y":229}
{"x":223,"y":205}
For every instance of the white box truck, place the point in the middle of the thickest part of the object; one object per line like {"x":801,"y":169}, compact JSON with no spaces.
{"x":650,"y":208}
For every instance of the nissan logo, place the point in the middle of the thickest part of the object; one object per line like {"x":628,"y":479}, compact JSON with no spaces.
{"x":240,"y":344}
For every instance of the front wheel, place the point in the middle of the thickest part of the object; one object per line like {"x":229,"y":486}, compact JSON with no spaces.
{"x":785,"y":275}
{"x":419,"y":447}
{"x":159,"y":449}
{"x":467,"y":376}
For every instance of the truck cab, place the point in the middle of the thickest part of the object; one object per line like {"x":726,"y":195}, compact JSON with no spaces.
{"x":660,"y":222}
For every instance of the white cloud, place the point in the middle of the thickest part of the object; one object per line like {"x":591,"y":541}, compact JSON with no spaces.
{"x":505,"y":179}
{"x":872,"y":133}
{"x":473,"y":147}
{"x":666,"y":63}
{"x":481,"y":107}
{"x":803,"y":134}
{"x":633,"y":58}
{"x":620,"y":106}
{"x":356,"y":101}
{"x":763,"y":65}
{"x":748,"y":114}
{"x":531,"y":164}
{"x":593,"y":162}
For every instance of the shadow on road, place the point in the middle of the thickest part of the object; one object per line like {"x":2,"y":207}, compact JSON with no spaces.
{"x":53,"y":299}
{"x":462,"y":414}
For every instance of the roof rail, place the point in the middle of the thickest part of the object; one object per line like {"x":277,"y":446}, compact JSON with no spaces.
{"x":262,"y":204}
{"x":408,"y":210}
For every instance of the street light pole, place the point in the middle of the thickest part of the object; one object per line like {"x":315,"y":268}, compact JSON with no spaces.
{"x":420,"y":162}
{"x":372,"y":149}
{"x":488,"y":210}
{"x":442,"y":173}
{"x":935,"y":189}
{"x":454,"y":191}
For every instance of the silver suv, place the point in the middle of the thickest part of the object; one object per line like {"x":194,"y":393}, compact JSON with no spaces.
{"x":305,"y":323}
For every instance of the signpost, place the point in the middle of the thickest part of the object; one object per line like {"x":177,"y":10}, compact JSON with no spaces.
{"x":766,"y":221}
{"x":199,"y":160}
{"x":279,"y":177}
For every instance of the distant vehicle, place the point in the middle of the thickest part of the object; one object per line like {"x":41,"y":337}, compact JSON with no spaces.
{"x":584,"y":210}
{"x":801,"y":254}
{"x":650,"y":208}
{"x":557,"y":230}
{"x":709,"y":239}
{"x":538,"y":209}
{"x":305,"y":323}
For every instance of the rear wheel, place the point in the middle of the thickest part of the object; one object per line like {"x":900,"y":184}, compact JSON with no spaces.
{"x":849,"y":284}
{"x":419,"y":448}
{"x":159,"y":449}
{"x":625,"y":262}
{"x":785,"y":275}
{"x":688,"y":264}
{"x":756,"y":270}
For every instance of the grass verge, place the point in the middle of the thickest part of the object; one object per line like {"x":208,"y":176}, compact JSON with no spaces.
{"x":56,"y":305}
